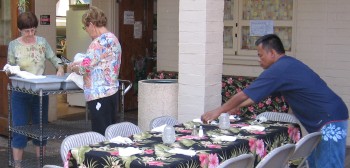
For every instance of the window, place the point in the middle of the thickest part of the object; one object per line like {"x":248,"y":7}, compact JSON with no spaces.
{"x":239,"y":46}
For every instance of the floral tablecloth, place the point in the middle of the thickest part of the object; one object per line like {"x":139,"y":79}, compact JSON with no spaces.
{"x":210,"y":151}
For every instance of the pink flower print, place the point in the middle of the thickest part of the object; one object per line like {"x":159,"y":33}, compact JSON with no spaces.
{"x":261,"y":105}
{"x":260,"y":148}
{"x":187,"y":137}
{"x":284,"y":108}
{"x":203,"y":158}
{"x":251,"y":108}
{"x":229,"y":81}
{"x":227,"y":94}
{"x":252,"y":145}
{"x":185,"y":131}
{"x":258,"y":132}
{"x":155,"y":163}
{"x":240,"y":78}
{"x":149,"y":151}
{"x":238,"y":90}
{"x":213,"y":161}
{"x":86,"y":62}
{"x":294,"y":133}
{"x":223,"y":84}
{"x":114,"y":153}
{"x":213,"y":146}
{"x":277,"y":99}
{"x":268,"y":101}
{"x":161,"y":76}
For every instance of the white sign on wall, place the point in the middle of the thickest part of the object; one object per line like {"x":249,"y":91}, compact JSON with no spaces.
{"x":261,"y":27}
{"x":129,"y":18}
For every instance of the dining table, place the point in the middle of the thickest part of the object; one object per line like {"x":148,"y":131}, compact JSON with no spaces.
{"x":146,"y":149}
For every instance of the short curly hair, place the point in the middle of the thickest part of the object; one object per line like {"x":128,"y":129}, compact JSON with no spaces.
{"x":95,"y":16}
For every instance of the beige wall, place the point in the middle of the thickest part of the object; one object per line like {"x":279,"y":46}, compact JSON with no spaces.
{"x":167,"y":35}
{"x":44,"y":7}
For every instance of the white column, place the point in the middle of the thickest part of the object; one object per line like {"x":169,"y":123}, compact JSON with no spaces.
{"x":200,"y":57}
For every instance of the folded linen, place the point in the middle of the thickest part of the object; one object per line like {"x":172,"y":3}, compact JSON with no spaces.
{"x":121,"y":140}
{"x":187,"y":152}
{"x":159,"y":129}
{"x":254,"y":128}
{"x":77,"y":79}
{"x":28,"y":75}
{"x":225,"y":138}
{"x":23,"y":74}
{"x":129,"y":151}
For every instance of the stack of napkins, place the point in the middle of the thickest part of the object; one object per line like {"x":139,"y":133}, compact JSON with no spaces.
{"x":254,"y":128}
{"x":159,"y":129}
{"x":129,"y":151}
{"x":225,"y":138}
{"x":187,"y":152}
{"x":121,"y":140}
{"x":23,"y":74}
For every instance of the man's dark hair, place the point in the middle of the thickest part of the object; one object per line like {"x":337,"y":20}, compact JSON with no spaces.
{"x":271,"y":41}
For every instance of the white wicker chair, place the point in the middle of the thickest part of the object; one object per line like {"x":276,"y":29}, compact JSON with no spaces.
{"x":279,"y":116}
{"x":305,"y":146}
{"x":244,"y":160}
{"x":278,"y":157}
{"x":80,"y":139}
{"x":159,"y":121}
{"x":123,"y":129}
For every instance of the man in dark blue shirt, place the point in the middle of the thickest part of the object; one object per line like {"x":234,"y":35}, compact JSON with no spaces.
{"x":316,"y":106}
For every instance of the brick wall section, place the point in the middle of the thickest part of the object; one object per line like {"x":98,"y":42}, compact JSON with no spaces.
{"x":200,"y":57}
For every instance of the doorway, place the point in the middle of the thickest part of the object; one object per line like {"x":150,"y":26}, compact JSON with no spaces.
{"x":136,"y":28}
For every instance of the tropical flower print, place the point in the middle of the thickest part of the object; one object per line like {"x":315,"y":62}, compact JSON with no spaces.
{"x":331,"y":132}
{"x":208,"y":160}
{"x":294,"y":133}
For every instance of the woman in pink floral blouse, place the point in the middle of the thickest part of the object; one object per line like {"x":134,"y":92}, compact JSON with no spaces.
{"x":100,"y":70}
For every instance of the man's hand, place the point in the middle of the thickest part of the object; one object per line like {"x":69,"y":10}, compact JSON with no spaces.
{"x":210,"y":116}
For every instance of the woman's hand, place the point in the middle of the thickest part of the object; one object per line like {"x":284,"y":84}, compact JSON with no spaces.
{"x":60,"y":71}
{"x":74,"y":67}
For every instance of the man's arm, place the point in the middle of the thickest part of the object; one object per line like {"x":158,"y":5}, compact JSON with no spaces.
{"x":238,"y":100}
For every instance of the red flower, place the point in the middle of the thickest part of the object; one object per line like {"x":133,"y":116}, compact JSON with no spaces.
{"x":252,"y":145}
{"x":261,"y":105}
{"x":155,"y":163}
{"x":260,"y":148}
{"x":203,"y":158}
{"x":114,"y":153}
{"x":229,"y":81}
{"x":213,"y":161}
{"x":149,"y":151}
{"x":294,"y":133}
{"x":86,"y":62}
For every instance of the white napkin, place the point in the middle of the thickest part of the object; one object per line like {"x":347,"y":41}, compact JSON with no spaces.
{"x":11,"y":69}
{"x":23,"y":74}
{"x":159,"y":129}
{"x":254,"y":128}
{"x":187,"y":152}
{"x":121,"y":140}
{"x":225,"y":138}
{"x":28,"y":75}
{"x":129,"y":151}
{"x":198,"y":120}
{"x":262,"y":119}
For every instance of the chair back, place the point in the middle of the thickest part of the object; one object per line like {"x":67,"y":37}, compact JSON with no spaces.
{"x":278,"y":157}
{"x":123,"y":129}
{"x":244,"y":160}
{"x":159,"y":121}
{"x":77,"y":140}
{"x":305,"y":146}
{"x":279,"y":116}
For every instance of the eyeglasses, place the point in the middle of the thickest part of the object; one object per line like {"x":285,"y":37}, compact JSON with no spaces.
{"x":31,"y":30}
